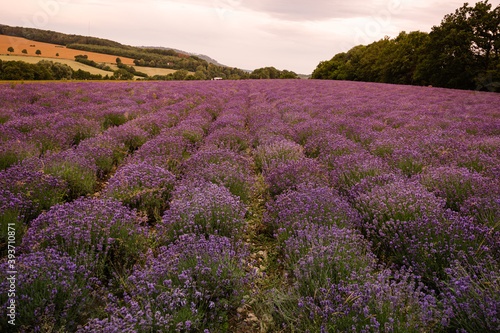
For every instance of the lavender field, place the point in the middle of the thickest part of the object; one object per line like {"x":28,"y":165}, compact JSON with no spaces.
{"x":249,"y":206}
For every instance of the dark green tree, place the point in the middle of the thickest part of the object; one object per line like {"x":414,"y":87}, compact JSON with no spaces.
{"x":38,"y":52}
{"x":10,"y":49}
{"x":24,"y":51}
{"x":180,"y":74}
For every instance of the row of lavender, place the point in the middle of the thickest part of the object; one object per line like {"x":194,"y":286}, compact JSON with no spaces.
{"x":383,"y":201}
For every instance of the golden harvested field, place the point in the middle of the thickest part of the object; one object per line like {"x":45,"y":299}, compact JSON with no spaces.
{"x":151,"y":71}
{"x":50,"y":50}
{"x":72,"y":63}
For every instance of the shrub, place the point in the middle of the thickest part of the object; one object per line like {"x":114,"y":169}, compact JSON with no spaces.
{"x":143,"y":186}
{"x":288,"y":175}
{"x":472,"y":297}
{"x":76,"y":170}
{"x":203,"y":208}
{"x":292,"y":211}
{"x":222,"y":167}
{"x":14,"y":151}
{"x":98,"y":233}
{"x":278,"y":151}
{"x":52,"y":292}
{"x":456,"y":185}
{"x":38,"y":191}
{"x":191,"y":285}
{"x":336,"y":288}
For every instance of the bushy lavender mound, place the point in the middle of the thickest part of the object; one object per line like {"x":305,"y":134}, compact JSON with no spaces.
{"x":401,"y":200}
{"x":430,"y":245}
{"x":222,"y":167}
{"x":289,"y":174}
{"x":472,"y":297}
{"x":53,"y":292}
{"x":14,"y":151}
{"x":164,"y":150}
{"x":101,"y":234}
{"x":350,"y":169}
{"x":143,"y":186}
{"x":36,"y":190}
{"x":203,"y":208}
{"x":292,"y":211}
{"x":277,"y":151}
{"x":229,"y":137}
{"x":337,"y":287}
{"x":456,"y":185}
{"x":78,"y":171}
{"x":190,"y":285}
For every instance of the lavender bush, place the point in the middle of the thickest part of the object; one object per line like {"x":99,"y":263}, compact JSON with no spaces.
{"x":143,"y":186}
{"x":456,"y":185}
{"x":278,"y":151}
{"x":222,"y":167}
{"x":337,"y":287}
{"x":203,"y":208}
{"x":36,"y":190}
{"x":78,"y":172}
{"x":52,"y":292}
{"x":292,"y":211}
{"x":191,"y":285}
{"x":100,"y":234}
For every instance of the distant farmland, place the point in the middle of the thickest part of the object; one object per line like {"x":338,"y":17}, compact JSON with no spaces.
{"x":50,"y":50}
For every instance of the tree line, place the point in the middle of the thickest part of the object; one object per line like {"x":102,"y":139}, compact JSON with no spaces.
{"x":462,"y":53}
{"x":44,"y":70}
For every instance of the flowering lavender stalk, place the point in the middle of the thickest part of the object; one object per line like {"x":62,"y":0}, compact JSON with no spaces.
{"x":143,"y":186}
{"x":36,"y":190}
{"x":77,"y":171}
{"x":52,"y":292}
{"x":222,"y":167}
{"x":98,"y":233}
{"x":190,"y":285}
{"x":203,"y":208}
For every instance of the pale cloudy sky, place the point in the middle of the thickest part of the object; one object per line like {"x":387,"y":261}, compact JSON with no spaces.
{"x":248,"y":34}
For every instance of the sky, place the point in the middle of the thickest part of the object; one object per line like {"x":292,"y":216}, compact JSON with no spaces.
{"x":287,"y":34}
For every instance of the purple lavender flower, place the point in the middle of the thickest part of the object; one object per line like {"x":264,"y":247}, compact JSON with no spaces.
{"x":292,"y":211}
{"x":222,"y":167}
{"x":189,"y":285}
{"x":76,"y":170}
{"x":51,"y":290}
{"x":143,"y":186}
{"x":204,"y":208}
{"x":93,"y":231}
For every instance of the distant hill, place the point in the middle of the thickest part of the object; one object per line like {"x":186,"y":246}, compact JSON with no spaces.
{"x":201,"y":56}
